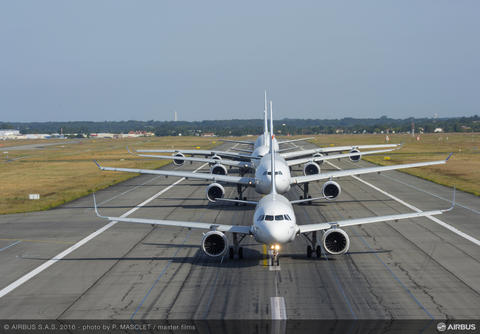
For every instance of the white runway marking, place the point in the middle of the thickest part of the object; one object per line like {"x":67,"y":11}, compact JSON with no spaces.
{"x":435,"y":219}
{"x":430,"y":193}
{"x":58,"y":257}
{"x":279,"y":311}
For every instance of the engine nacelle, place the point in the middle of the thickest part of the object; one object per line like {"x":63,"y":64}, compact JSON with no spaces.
{"x":331,"y":189}
{"x":335,"y":241}
{"x":311,"y":168}
{"x":355,"y":158}
{"x":214,"y":191}
{"x":318,"y":155}
{"x":216,"y":158}
{"x":214,"y":243}
{"x":178,"y":162}
{"x":218,"y":169}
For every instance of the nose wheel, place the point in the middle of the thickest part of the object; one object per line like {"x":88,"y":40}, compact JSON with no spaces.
{"x":274,"y":255}
{"x":275,"y":259}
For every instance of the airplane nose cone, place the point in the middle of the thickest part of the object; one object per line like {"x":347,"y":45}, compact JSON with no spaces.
{"x":278,"y":233}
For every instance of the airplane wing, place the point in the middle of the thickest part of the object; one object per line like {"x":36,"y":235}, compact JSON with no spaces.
{"x":190,"y":175}
{"x":294,"y":140}
{"x":202,"y":152}
{"x":204,"y":226}
{"x":359,"y":171}
{"x":238,"y":141}
{"x":350,"y":222}
{"x":291,"y":155}
{"x":332,"y":156}
{"x":241,"y":150}
{"x":233,"y":163}
{"x":357,"y":221}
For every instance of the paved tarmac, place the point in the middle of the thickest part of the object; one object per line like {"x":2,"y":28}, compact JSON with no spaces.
{"x":412,"y":269}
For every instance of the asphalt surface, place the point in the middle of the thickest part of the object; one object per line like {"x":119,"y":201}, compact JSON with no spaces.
{"x":412,"y":269}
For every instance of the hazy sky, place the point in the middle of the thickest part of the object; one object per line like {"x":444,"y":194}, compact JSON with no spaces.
{"x":119,"y":60}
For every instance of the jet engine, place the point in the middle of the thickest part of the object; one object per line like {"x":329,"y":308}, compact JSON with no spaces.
{"x":331,"y":189}
{"x":216,"y":158}
{"x":311,"y":168}
{"x":355,"y":158}
{"x":214,"y":243}
{"x":317,"y":155}
{"x":178,"y":162}
{"x":214,"y":191}
{"x":218,"y":169}
{"x":336,"y":241}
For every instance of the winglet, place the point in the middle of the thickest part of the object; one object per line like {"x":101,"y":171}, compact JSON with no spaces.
{"x":96,"y":208}
{"x":96,"y":163}
{"x":449,"y":156}
{"x":95,"y":205}
{"x":128,"y":150}
{"x":453,"y":201}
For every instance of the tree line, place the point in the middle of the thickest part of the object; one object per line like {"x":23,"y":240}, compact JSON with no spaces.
{"x":240,"y":127}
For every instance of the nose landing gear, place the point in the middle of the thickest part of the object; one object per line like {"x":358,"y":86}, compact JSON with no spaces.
{"x":274,"y":255}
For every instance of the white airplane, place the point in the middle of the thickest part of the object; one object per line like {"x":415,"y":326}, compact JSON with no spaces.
{"x":260,"y":147}
{"x":284,"y":180}
{"x":274,"y":224}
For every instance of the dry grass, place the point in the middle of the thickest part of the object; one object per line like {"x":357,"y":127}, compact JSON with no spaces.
{"x":462,"y":170}
{"x":62,"y":173}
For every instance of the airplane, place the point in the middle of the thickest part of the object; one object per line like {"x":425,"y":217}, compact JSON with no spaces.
{"x":260,"y":148}
{"x":274,"y":224}
{"x":284,"y":180}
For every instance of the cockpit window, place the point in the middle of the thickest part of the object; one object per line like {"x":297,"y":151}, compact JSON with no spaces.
{"x":279,"y":217}
{"x":270,"y":173}
{"x":287,"y":217}
{"x":260,"y":217}
{"x":268,"y":217}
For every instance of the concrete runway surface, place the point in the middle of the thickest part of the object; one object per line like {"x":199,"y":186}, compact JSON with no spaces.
{"x":68,"y":264}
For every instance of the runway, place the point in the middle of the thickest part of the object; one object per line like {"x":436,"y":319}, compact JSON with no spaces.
{"x":413,"y":269}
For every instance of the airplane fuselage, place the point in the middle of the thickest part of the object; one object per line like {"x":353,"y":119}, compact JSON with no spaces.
{"x":274,"y":220}
{"x":263,"y":175}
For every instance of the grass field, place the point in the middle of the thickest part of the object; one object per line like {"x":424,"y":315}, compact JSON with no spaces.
{"x":462,"y":170}
{"x":63,"y":172}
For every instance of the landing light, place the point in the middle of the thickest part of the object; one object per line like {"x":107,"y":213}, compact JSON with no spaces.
{"x":276,"y":247}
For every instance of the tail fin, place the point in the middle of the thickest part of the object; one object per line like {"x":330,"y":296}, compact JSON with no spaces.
{"x":273,"y":189}
{"x":265,"y":112}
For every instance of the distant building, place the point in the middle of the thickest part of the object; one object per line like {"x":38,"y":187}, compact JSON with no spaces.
{"x":208,"y":134}
{"x":9,"y":133}
{"x":437,"y":130}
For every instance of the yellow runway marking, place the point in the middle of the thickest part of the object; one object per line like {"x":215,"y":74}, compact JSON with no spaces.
{"x":265,"y":263}
{"x":45,"y":241}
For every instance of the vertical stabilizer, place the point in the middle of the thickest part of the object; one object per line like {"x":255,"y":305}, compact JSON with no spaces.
{"x":273,"y":189}
{"x":265,"y":117}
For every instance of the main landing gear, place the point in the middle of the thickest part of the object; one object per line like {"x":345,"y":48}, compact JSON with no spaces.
{"x":236,"y":249}
{"x":240,"y":190}
{"x":305,"y":193}
{"x":313,"y":247}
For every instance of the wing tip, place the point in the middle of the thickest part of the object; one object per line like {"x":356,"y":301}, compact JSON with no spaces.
{"x":449,"y":156}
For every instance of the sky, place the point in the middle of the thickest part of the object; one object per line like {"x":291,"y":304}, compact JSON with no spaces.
{"x":103,"y":60}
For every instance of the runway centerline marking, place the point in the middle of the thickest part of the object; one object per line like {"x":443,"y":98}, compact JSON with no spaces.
{"x":25,"y":278}
{"x":11,"y":245}
{"x":277,"y":305}
{"x":414,"y":208}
